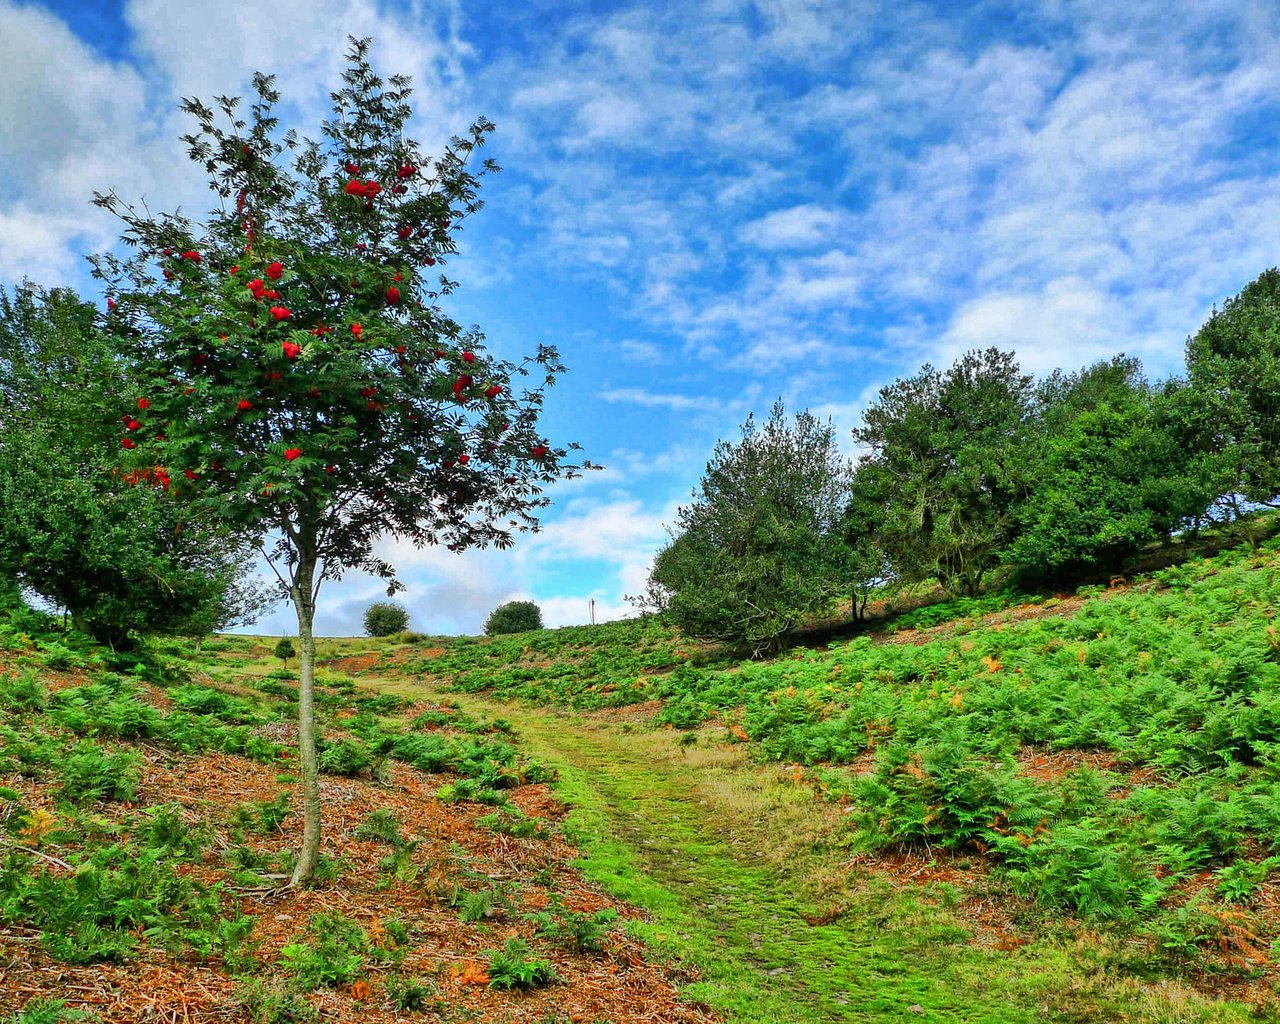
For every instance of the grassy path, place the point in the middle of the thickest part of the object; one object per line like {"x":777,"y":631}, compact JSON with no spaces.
{"x":651,"y":834}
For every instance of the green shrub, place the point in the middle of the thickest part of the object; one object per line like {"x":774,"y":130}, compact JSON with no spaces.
{"x":512,"y":821}
{"x":409,"y":994}
{"x":89,"y":773}
{"x":513,"y":617}
{"x":383,"y":618}
{"x":43,"y":1010}
{"x":515,"y":966}
{"x":23,"y":692}
{"x":333,"y":953}
{"x":383,"y":827}
{"x":345,"y":757}
{"x":581,"y":932}
{"x":269,"y":1002}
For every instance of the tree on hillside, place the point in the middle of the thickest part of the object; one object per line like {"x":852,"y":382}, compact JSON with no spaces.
{"x":113,"y":554}
{"x":1233,"y":374}
{"x":1106,"y":469}
{"x":284,"y":650}
{"x":383,"y":618}
{"x":943,"y":474}
{"x":513,"y":617}
{"x":760,"y":549}
{"x":293,"y":372}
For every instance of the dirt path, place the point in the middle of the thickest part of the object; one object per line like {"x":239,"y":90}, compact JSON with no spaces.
{"x":694,"y":845}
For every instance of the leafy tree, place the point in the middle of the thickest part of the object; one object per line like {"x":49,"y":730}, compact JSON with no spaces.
{"x":760,"y":549}
{"x":383,"y":618}
{"x":513,"y":617}
{"x":943,"y":474}
{"x":1107,"y":471}
{"x":293,"y":368}
{"x":108,"y":548}
{"x":284,"y":650}
{"x":1233,"y":373}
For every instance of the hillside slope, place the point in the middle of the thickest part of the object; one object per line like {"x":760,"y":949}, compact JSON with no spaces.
{"x":148,"y":814}
{"x":1098,"y":769}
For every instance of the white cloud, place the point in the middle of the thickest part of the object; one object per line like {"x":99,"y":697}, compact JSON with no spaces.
{"x":797,"y":227}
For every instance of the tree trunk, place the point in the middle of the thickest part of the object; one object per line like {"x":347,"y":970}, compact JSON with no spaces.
{"x":309,"y":855}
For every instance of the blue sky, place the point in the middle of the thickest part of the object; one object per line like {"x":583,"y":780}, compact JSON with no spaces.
{"x":710,"y":205}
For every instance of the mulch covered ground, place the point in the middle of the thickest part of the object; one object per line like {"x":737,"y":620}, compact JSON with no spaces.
{"x":617,"y":985}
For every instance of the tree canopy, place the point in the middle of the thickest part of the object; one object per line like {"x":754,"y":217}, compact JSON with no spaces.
{"x":293,"y":372}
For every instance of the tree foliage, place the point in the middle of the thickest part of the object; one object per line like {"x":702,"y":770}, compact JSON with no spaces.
{"x":760,"y":548}
{"x":1233,"y":370}
{"x":1106,"y":470}
{"x":943,"y":473}
{"x":383,"y":618}
{"x":107,"y":547}
{"x":293,"y":369}
{"x":513,"y":617}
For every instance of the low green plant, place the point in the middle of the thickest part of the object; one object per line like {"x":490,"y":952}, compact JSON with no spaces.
{"x":515,"y":967}
{"x":409,"y":994}
{"x":381,"y":826}
{"x":333,"y":952}
{"x":268,"y":1001}
{"x":43,"y":1010}
{"x":89,"y":773}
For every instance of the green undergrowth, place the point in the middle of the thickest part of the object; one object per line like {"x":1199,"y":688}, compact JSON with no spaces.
{"x":764,"y":954}
{"x":96,"y":871}
{"x":1159,"y":824}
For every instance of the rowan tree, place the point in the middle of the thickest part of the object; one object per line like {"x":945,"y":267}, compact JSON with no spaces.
{"x":295,"y":375}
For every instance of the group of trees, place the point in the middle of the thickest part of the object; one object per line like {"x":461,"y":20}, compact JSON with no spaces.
{"x":977,"y":469}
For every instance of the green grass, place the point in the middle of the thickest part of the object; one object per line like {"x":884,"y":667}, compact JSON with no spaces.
{"x":1142,"y":867}
{"x":686,"y":841}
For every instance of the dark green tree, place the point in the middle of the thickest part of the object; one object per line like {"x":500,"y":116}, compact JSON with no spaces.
{"x":292,"y":365}
{"x":943,"y":474}
{"x":761,"y":549}
{"x":1107,"y":471}
{"x":383,"y":618}
{"x":284,"y":650}
{"x":1233,"y":409}
{"x":513,"y":617}
{"x":109,"y":548}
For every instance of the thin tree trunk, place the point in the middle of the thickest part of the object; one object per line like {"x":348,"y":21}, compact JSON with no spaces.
{"x":309,"y":855}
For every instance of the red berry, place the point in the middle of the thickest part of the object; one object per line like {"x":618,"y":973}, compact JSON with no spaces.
{"x":189,"y":475}
{"x":275,"y":270}
{"x":539,"y":451}
{"x":292,"y":453}
{"x":464,"y":459}
{"x":291,"y":351}
{"x":468,"y":357}
{"x":493,"y":391}
{"x":281,"y":312}
{"x":353,"y":168}
{"x":357,"y":330}
{"x":144,"y":403}
{"x":407,"y":171}
{"x":127,"y":442}
{"x":393,"y":295}
{"x":244,"y":405}
{"x":405,"y":231}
